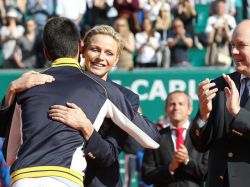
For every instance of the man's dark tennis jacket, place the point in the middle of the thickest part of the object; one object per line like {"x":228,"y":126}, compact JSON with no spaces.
{"x":47,"y":145}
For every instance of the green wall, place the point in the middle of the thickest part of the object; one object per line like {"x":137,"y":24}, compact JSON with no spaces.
{"x":152,"y":86}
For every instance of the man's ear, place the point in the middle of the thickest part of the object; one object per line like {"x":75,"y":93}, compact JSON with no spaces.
{"x":190,"y":109}
{"x":81,"y":47}
{"x":47,"y":55}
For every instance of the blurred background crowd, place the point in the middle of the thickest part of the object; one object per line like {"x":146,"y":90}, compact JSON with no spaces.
{"x":157,"y":33}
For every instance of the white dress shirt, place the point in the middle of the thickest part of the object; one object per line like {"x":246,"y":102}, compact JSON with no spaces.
{"x":173,"y":132}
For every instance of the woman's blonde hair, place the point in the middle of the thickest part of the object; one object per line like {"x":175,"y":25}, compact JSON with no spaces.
{"x":104,"y":30}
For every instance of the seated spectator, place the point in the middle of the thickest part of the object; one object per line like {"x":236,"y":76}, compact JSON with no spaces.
{"x":40,"y":11}
{"x":175,"y":3}
{"x":219,"y":30}
{"x":98,"y":12}
{"x":175,"y":163}
{"x":73,"y":10}
{"x":147,"y":45}
{"x":152,"y":9}
{"x":186,"y":12}
{"x":128,"y":9}
{"x":126,"y":60}
{"x":27,"y":47}
{"x":163,"y":21}
{"x":230,"y":7}
{"x":9,"y":35}
{"x":179,"y":41}
{"x":162,"y":26}
{"x":18,"y":5}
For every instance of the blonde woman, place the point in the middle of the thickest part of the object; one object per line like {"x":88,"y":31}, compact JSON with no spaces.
{"x":163,"y":23}
{"x":126,"y":60}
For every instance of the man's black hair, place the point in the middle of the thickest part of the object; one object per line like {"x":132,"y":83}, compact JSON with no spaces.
{"x":61,"y":38}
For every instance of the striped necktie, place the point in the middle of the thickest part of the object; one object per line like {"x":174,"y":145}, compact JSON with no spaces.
{"x":245,"y":94}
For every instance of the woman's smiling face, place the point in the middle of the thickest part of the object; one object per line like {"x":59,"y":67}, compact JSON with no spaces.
{"x":101,"y":54}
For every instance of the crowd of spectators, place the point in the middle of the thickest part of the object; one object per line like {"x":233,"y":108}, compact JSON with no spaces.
{"x":157,"y":33}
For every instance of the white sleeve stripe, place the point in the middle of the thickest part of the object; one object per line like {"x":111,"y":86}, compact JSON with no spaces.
{"x":110,"y":110}
{"x":78,"y":162}
{"x":101,"y":115}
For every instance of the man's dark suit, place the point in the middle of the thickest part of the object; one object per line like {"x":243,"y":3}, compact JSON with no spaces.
{"x":156,"y":162}
{"x":227,"y":138}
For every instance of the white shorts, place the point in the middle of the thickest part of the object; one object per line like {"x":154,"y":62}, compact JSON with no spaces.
{"x":45,"y":182}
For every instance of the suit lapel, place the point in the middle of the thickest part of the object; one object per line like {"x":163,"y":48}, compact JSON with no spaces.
{"x":167,"y":146}
{"x":188,"y":142}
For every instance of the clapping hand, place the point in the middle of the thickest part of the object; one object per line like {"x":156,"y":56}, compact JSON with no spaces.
{"x":206,"y":93}
{"x":232,"y":95}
